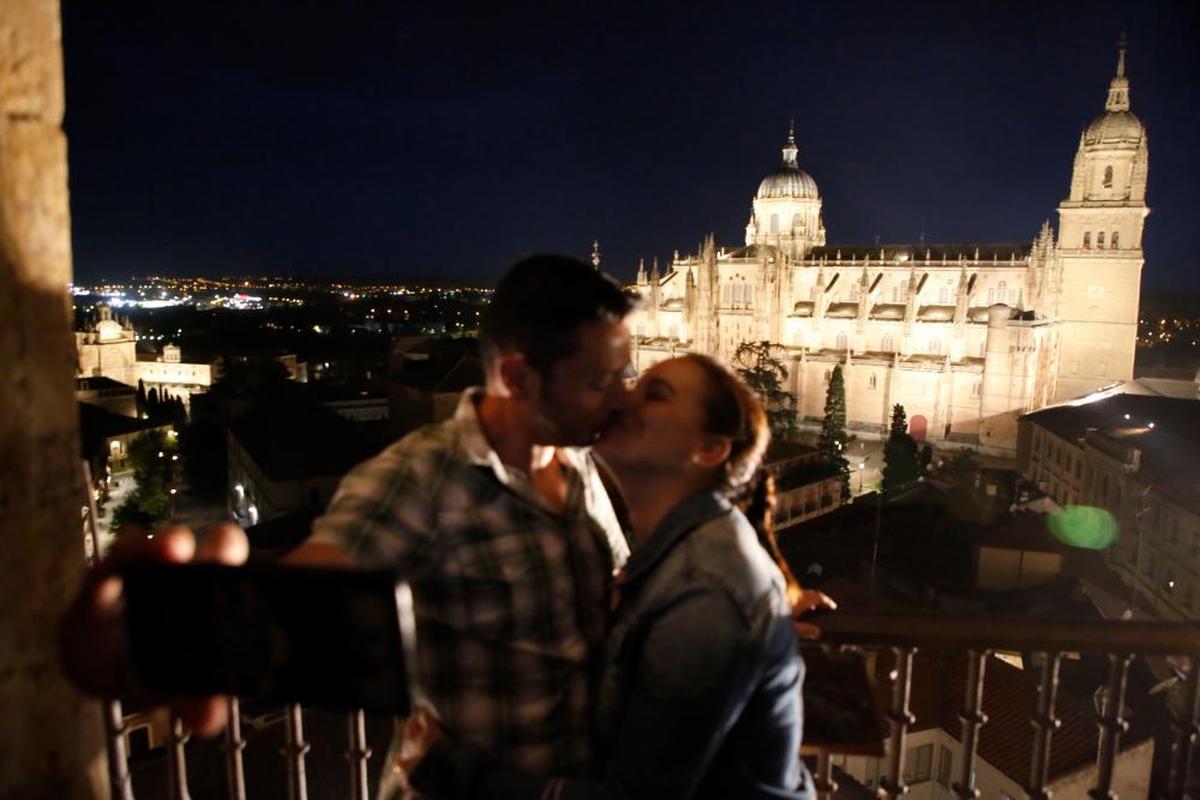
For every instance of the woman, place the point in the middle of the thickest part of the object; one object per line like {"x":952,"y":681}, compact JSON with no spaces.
{"x":701,"y":693}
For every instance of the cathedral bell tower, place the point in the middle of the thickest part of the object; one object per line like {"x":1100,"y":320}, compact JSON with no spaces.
{"x":1100,"y":247}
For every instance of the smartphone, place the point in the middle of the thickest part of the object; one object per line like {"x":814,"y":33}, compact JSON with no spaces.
{"x":335,"y":638}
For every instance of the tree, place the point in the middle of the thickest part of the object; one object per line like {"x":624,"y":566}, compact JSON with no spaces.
{"x":150,"y":456}
{"x":767,"y":375}
{"x":899,"y":422}
{"x":926,"y":456}
{"x":140,"y":399}
{"x":831,"y":445}
{"x":901,"y":463}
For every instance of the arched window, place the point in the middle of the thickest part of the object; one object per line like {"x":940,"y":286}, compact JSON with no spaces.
{"x":1100,"y":240}
{"x":797,"y":223}
{"x":1087,"y":241}
{"x":841,"y":341}
{"x":1108,"y":177}
{"x":886,"y":344}
{"x":774,"y":223}
{"x":1114,"y":240}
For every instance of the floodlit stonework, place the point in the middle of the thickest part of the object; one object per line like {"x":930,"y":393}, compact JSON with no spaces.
{"x":967,"y":337}
{"x":108,"y":348}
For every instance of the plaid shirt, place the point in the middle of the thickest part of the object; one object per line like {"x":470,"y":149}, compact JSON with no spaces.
{"x":511,"y":597}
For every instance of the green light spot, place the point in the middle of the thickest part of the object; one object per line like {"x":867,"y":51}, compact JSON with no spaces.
{"x":1084,"y":526}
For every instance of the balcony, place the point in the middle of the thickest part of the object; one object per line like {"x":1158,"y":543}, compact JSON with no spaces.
{"x":892,"y":640}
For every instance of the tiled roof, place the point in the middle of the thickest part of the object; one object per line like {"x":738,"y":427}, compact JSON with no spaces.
{"x":297,"y":440}
{"x":1010,"y":696}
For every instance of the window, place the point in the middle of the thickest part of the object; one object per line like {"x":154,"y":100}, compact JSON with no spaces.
{"x":900,"y":292}
{"x":918,"y":762}
{"x":841,"y":341}
{"x":1087,"y":241}
{"x":975,"y":389}
{"x":1108,"y":177}
{"x":827,"y":376}
{"x":854,"y":294}
{"x":797,"y":223}
{"x":945,"y":766}
{"x":871,"y":381}
{"x":935,"y":346}
{"x":725,"y":295}
{"x":1002,"y":292}
{"x":1100,"y":240}
{"x":774,"y":223}
{"x":886,"y":345}
{"x":1113,"y":240}
{"x":944,"y":295}
{"x":748,"y":295}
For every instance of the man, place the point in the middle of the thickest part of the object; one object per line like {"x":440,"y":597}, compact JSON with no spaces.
{"x":500,"y":523}
{"x":505,"y":532}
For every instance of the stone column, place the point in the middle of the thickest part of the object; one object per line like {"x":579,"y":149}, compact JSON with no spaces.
{"x":50,"y":737}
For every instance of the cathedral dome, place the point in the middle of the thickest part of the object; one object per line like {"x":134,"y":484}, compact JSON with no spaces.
{"x":788,"y":180}
{"x":1114,"y":127}
{"x":1117,"y":125}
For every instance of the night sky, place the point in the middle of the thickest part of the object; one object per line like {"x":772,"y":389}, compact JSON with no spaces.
{"x":445,"y":141}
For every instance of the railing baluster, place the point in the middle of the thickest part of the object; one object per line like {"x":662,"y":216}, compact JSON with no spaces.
{"x":1045,"y":724}
{"x":295,"y":750}
{"x":823,"y":781}
{"x":234,"y":745}
{"x":893,"y":783}
{"x":358,"y":755}
{"x":972,"y":718}
{"x":1187,"y":725}
{"x":1112,"y":725}
{"x":177,"y":739}
{"x":119,"y":782}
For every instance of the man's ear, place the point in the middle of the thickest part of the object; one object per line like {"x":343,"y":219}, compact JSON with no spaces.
{"x":521,"y":381}
{"x":713,"y":452}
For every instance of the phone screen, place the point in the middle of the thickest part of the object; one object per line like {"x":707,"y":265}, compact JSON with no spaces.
{"x":336,"y":638}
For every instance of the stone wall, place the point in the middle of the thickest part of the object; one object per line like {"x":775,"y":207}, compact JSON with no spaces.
{"x":50,"y":737}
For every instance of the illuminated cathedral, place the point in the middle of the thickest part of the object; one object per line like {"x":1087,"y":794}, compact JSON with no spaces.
{"x":967,"y":337}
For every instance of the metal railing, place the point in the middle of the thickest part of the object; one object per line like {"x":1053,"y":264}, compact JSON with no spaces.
{"x":979,"y":635}
{"x":904,"y":634}
{"x":295,"y":750}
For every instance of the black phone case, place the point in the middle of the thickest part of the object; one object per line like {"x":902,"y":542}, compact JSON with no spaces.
{"x":340,"y":639}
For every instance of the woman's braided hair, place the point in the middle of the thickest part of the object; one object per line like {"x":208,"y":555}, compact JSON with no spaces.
{"x":731,"y":409}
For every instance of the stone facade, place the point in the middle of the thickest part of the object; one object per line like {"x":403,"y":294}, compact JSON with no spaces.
{"x":50,"y":736}
{"x":108,"y":348}
{"x":966,"y":337}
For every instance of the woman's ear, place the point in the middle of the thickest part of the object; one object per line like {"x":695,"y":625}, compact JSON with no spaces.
{"x":713,"y":452}
{"x":520,"y":380}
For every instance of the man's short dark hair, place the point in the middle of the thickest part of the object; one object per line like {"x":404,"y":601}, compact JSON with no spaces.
{"x":540,"y":304}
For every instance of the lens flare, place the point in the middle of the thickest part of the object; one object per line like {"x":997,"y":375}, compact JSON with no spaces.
{"x":1084,"y":526}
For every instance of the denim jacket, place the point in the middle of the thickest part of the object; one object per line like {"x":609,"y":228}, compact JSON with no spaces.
{"x":701,"y":693}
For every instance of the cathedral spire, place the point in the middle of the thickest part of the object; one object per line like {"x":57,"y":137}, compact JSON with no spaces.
{"x":790,"y":149}
{"x":1118,"y":90}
